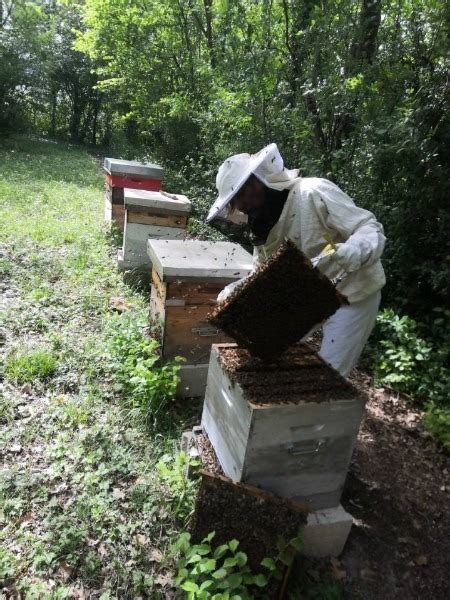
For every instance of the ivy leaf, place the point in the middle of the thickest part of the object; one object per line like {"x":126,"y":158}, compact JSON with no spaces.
{"x":260,"y":581}
{"x":190,"y":586}
{"x":220,"y":574}
{"x":220,"y":551}
{"x":269,"y":564}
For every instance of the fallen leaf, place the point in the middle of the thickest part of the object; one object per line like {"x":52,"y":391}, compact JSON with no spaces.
{"x":142,"y":539}
{"x":367,"y":574}
{"x":118,"y":494}
{"x":164,"y":579}
{"x":120,"y":304}
{"x":335,"y":562}
{"x":24,"y":519}
{"x":338,"y":574}
{"x":156,"y":555}
{"x":66,"y":571}
{"x":421,"y":560}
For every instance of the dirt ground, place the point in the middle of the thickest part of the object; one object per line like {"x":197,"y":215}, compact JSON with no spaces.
{"x":398,"y":491}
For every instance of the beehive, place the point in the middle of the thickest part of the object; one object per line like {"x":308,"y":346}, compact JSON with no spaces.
{"x":151,"y":215}
{"x":121,"y":174}
{"x":186,"y":280}
{"x":288,"y":426}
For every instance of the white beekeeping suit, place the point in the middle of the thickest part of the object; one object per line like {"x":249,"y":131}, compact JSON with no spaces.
{"x":315,"y":211}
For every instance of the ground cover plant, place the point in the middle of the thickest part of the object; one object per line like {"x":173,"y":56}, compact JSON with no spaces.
{"x":85,"y":509}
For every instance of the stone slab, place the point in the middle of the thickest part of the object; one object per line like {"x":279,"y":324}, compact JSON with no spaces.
{"x":115,"y":166}
{"x":199,"y":259}
{"x":176,"y":203}
{"x":326,"y":532}
{"x":193,"y":381}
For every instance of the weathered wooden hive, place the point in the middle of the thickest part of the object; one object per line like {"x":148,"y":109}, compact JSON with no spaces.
{"x":288,"y":426}
{"x":151,"y":215}
{"x":121,"y":174}
{"x":187,"y":277}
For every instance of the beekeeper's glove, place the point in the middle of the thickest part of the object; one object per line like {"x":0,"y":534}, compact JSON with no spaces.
{"x":349,"y":256}
{"x":229,"y":289}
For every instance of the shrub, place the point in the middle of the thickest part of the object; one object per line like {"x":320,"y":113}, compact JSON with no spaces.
{"x":414,"y":358}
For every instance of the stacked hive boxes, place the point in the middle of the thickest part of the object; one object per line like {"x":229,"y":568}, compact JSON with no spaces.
{"x":186,"y":279}
{"x":150,"y":215}
{"x":288,"y":426}
{"x":121,"y":174}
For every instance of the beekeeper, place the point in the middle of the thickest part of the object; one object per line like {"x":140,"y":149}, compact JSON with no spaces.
{"x":311,"y":212}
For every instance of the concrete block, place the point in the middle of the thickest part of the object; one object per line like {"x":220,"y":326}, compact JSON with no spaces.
{"x":193,"y":381}
{"x":199,"y":260}
{"x":326,"y":532}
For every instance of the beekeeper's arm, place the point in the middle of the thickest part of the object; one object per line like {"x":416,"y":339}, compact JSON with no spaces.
{"x":363,"y":234}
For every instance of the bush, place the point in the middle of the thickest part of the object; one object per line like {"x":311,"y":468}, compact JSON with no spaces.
{"x":414,"y":358}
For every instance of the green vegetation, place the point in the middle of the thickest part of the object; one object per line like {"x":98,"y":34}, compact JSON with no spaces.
{"x":83,"y":501}
{"x":146,"y":386}
{"x":414,"y":359}
{"x":222,"y":573}
{"x":25,"y":368}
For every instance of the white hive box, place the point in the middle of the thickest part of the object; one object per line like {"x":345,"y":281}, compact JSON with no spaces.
{"x":187,"y":277}
{"x":288,"y":427}
{"x":151,"y":215}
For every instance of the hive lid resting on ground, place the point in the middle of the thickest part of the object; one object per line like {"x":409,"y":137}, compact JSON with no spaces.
{"x":278,"y":304}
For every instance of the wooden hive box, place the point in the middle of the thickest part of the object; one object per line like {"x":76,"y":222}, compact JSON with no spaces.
{"x":121,"y":174}
{"x":151,"y":215}
{"x":187,"y":277}
{"x":288,"y":426}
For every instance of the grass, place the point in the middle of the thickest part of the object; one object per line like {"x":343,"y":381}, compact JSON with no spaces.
{"x":92,"y":490}
{"x":25,"y":368}
{"x":84,"y":508}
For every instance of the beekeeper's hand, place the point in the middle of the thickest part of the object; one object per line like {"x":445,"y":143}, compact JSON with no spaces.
{"x":229,"y":289}
{"x":348,"y":256}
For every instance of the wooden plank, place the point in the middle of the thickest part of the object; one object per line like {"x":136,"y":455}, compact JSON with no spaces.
{"x":114,"y":194}
{"x":118,"y":216}
{"x":226,"y":419}
{"x":159,"y":287}
{"x":188,"y":334}
{"x":203,"y":293}
{"x":157,"y":317}
{"x":149,"y":218}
